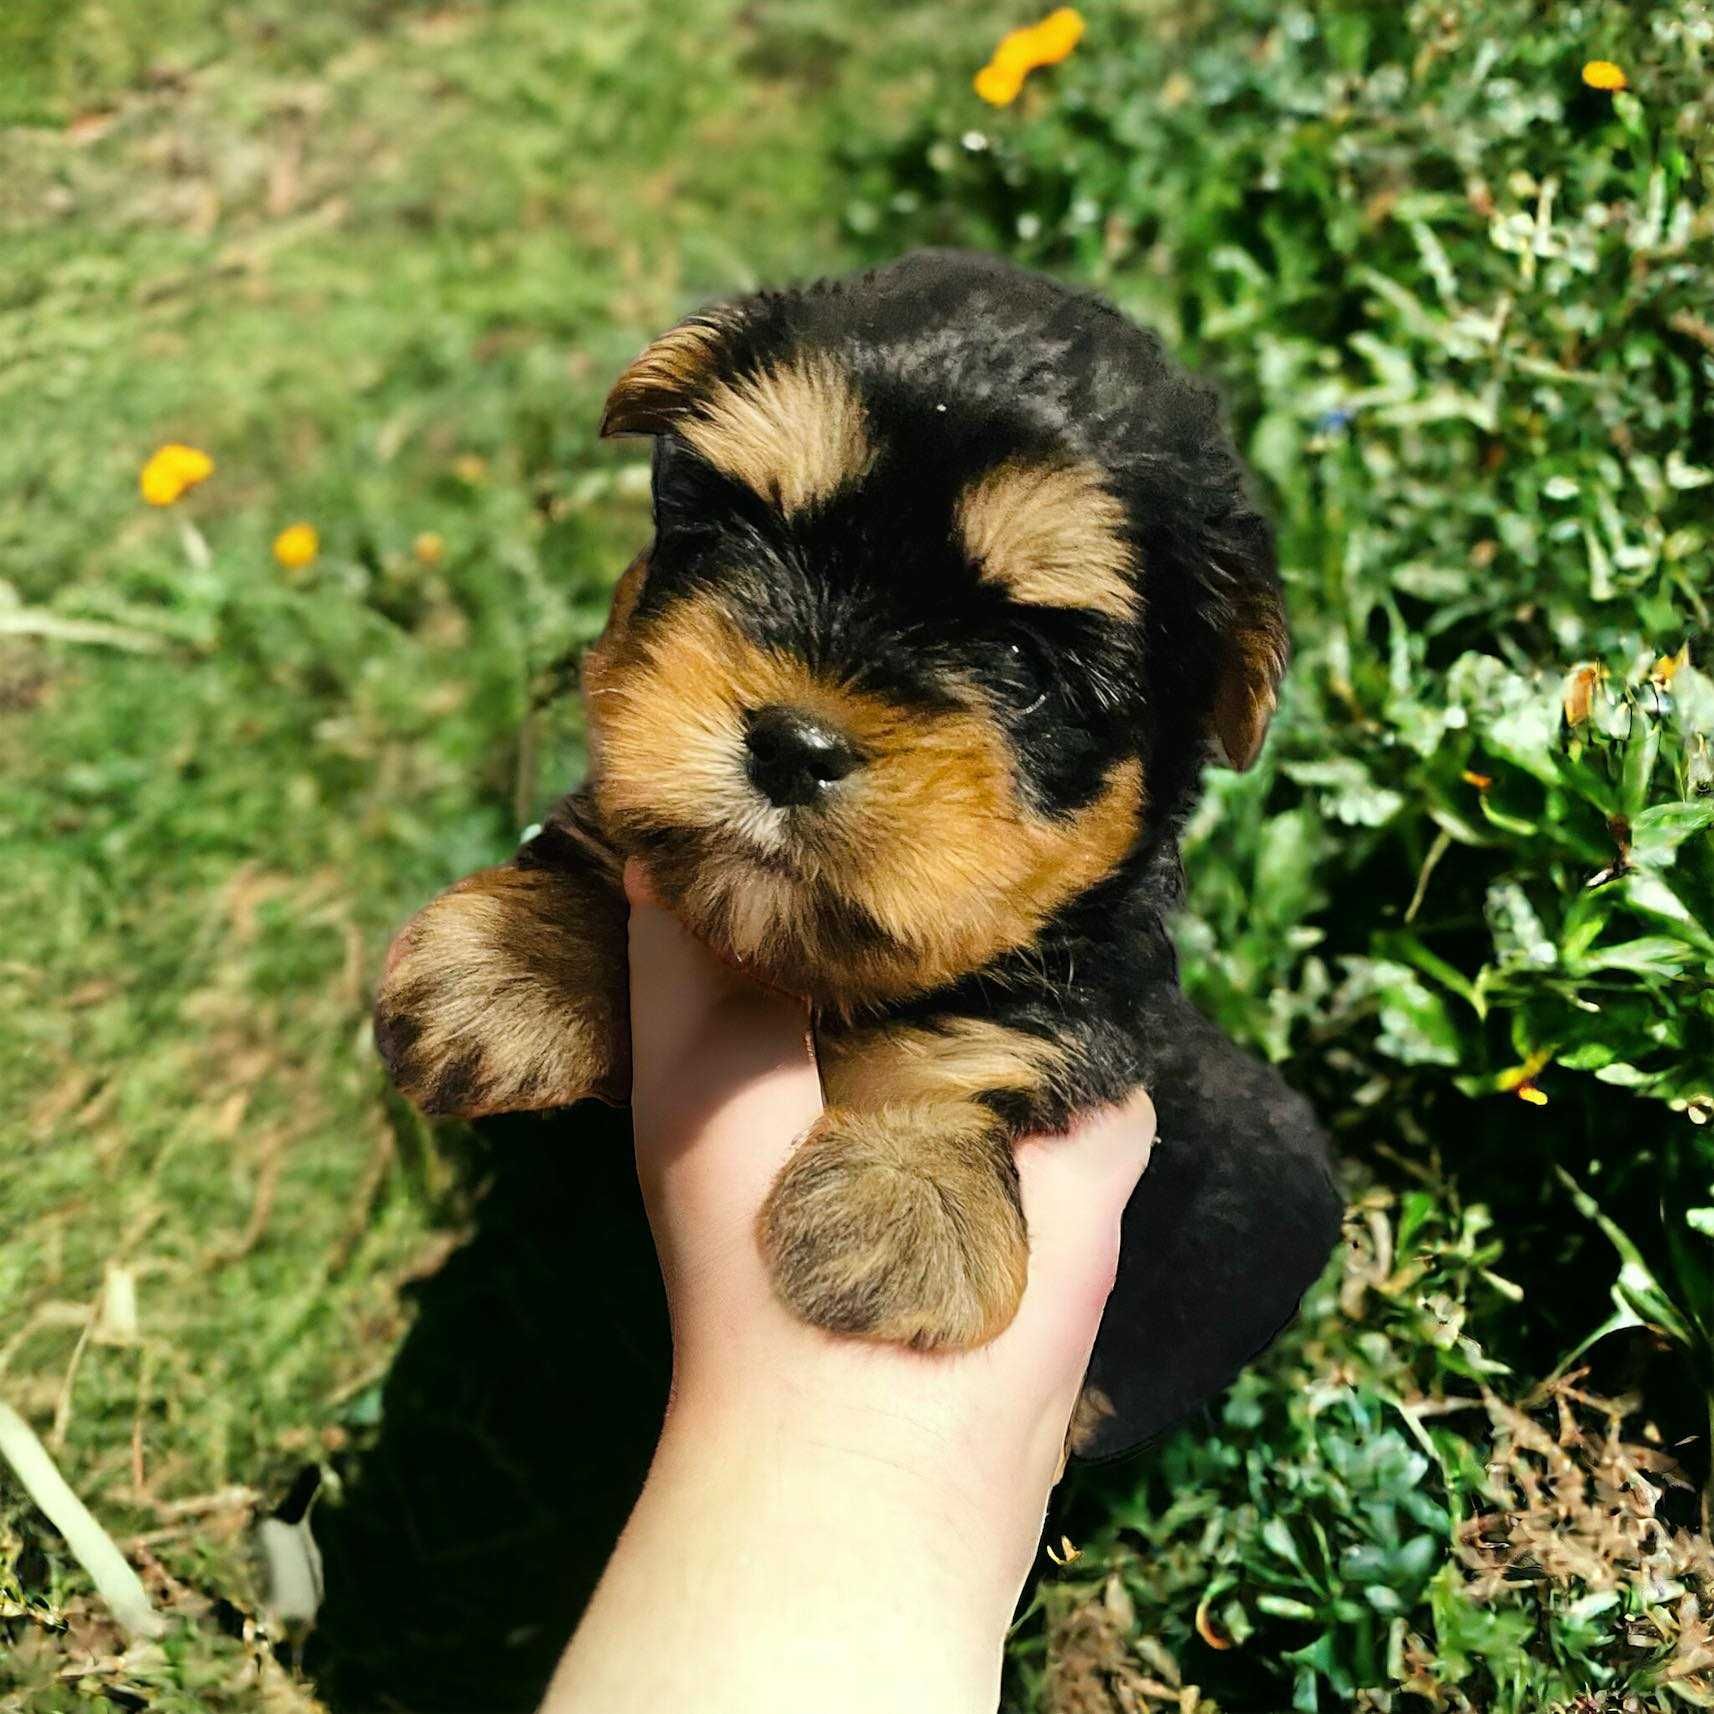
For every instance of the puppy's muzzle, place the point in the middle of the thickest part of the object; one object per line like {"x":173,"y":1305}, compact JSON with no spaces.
{"x":792,"y":758}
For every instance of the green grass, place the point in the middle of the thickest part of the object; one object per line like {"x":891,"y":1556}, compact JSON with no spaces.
{"x":380,"y":261}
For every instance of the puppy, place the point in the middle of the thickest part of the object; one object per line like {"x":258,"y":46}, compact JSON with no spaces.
{"x":954,"y":588}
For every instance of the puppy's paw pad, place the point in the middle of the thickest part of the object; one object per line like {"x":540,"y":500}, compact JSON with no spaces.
{"x":881,"y":1232}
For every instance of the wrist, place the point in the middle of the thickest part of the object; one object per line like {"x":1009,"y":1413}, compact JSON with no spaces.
{"x":875,"y":1502}
{"x":884,"y":1437}
{"x":769,"y":1568}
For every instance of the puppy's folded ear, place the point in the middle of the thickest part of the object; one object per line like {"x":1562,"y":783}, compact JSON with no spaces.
{"x":665,"y":380}
{"x":1253,"y":646}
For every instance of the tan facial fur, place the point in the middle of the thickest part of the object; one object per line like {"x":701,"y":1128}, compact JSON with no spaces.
{"x":929,"y":840}
{"x":1052,"y":534}
{"x":793,"y":435}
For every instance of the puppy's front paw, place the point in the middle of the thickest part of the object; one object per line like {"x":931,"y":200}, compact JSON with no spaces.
{"x":506,"y":994}
{"x":901,"y":1224}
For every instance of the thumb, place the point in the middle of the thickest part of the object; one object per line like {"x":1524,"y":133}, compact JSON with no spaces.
{"x":724,"y":1079}
{"x":1074,"y":1189}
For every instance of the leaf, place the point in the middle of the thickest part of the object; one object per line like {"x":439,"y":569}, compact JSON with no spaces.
{"x":1348,"y":792}
{"x":1650,"y":955}
{"x":1637,"y":1289}
{"x":1652,"y":897}
{"x":1284,"y":1607}
{"x":1641,"y":753}
{"x":1416,"y":1026}
{"x":1658,"y":831}
{"x":1517,"y":928}
{"x":1277,"y":1538}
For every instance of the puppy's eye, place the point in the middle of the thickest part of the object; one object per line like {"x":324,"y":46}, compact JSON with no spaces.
{"x":1031,"y":670}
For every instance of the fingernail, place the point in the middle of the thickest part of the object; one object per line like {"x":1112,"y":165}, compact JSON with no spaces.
{"x":1116,"y":1142}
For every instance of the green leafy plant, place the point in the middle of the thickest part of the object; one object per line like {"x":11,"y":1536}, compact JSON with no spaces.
{"x":1456,"y":293}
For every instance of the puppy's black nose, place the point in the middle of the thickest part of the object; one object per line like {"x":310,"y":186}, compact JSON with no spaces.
{"x":791,"y":756}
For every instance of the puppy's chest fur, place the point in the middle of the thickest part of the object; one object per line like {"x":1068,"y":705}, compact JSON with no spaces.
{"x":1042,"y":1033}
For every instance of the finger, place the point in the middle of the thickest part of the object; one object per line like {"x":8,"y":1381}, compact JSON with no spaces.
{"x":717,"y":1062}
{"x":676,"y":983}
{"x":1074,"y":1189}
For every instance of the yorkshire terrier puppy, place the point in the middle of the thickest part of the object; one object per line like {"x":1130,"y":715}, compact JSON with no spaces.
{"x":953,"y":590}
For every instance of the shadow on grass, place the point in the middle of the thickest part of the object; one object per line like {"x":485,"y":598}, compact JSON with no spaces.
{"x":516,"y":1427}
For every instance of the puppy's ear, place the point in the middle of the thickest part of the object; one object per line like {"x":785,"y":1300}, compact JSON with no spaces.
{"x":1253,"y":645}
{"x":667,"y":378}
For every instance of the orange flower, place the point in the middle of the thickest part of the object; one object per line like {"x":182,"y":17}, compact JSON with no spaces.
{"x":172,"y":471}
{"x":1604,"y":74}
{"x":1579,"y":693}
{"x":1022,"y":51}
{"x":1520,"y":1080}
{"x":296,"y":545}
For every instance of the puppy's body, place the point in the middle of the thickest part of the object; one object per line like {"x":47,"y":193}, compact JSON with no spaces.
{"x":954,"y":585}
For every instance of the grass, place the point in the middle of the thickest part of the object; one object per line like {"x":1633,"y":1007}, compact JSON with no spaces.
{"x":379,"y":260}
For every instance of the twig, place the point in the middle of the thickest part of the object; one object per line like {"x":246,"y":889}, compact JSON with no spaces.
{"x":1441,"y":1407}
{"x":221,"y":1500}
{"x":30,"y":623}
{"x":1692,"y":327}
{"x":92,"y":1547}
{"x":1435,"y":852}
{"x":374,"y":1176}
{"x":62,"y":1405}
{"x":261,"y":1206}
{"x":45,"y":1316}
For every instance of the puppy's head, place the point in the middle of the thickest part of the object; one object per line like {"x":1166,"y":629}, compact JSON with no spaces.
{"x":953,"y":582}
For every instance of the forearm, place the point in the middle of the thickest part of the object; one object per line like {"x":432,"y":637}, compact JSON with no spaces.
{"x":766,"y":1571}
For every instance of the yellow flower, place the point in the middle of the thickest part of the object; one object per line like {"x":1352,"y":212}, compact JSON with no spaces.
{"x":172,"y":471}
{"x":429,"y":548}
{"x":1022,"y":51}
{"x":1604,"y":74}
{"x":998,"y":85}
{"x":1668,"y":667}
{"x":1057,"y":34}
{"x":296,"y":545}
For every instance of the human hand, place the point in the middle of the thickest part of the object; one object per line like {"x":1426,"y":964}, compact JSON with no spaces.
{"x":867,"y":1511}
